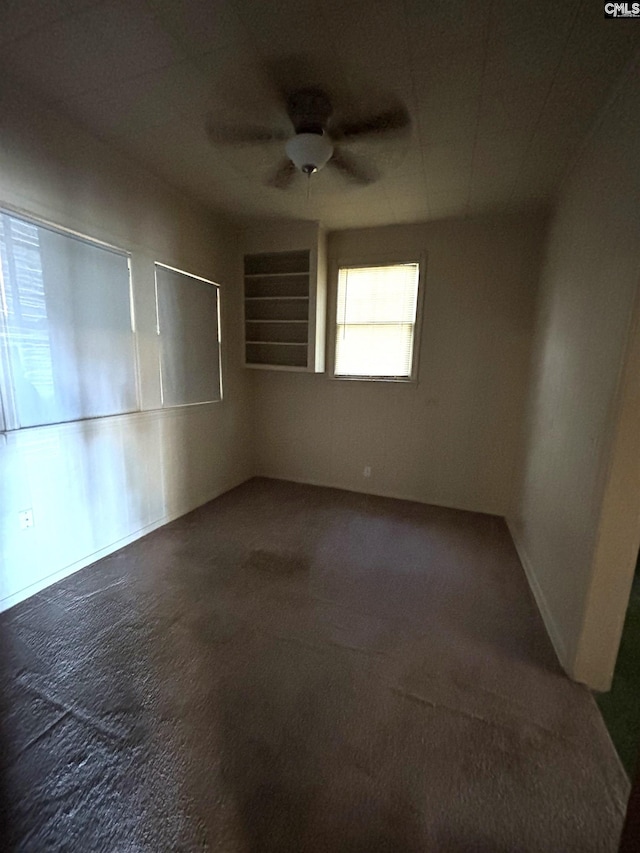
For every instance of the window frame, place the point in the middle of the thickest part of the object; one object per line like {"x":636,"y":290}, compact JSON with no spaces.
{"x":375,"y":260}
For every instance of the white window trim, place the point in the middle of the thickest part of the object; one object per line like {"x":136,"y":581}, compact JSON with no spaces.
{"x":373,"y":260}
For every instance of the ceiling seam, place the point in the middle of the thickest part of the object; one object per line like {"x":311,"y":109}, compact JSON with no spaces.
{"x":547,"y":96}
{"x":630,"y":72}
{"x":64,"y":17}
{"x":158,"y":19}
{"x":124,"y":81}
{"x":485,"y":63}
{"x":415,"y":106}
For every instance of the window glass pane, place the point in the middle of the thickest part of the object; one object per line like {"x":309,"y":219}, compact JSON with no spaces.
{"x":376,"y":314}
{"x":380,"y":350}
{"x":189,"y":338}
{"x":378,"y":294}
{"x":67,"y":332}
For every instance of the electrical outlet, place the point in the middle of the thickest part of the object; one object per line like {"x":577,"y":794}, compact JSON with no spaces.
{"x":367,"y":471}
{"x":25,"y":517}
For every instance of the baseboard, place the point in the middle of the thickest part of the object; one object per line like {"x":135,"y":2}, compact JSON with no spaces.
{"x":545,"y":611}
{"x":60,"y":574}
{"x":382,"y":493}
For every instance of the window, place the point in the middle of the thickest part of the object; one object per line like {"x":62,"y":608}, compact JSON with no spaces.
{"x":189,"y":329}
{"x":376,"y":321}
{"x":67,"y":347}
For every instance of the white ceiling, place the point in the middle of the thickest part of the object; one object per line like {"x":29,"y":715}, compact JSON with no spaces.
{"x":500,"y":92}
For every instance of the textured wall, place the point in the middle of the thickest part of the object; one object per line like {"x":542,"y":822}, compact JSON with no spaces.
{"x":452,"y":438}
{"x":589,"y":284}
{"x":95,"y":484}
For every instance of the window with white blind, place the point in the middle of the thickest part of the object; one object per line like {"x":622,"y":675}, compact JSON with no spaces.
{"x":376,"y":321}
{"x":188,"y":314}
{"x":67,"y":341}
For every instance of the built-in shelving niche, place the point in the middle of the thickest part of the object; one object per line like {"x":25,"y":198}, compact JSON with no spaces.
{"x":281,"y":311}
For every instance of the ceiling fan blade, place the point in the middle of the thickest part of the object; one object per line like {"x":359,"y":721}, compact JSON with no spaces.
{"x":352,"y":169}
{"x":283,"y":175}
{"x":226,"y":134}
{"x":391,"y":120}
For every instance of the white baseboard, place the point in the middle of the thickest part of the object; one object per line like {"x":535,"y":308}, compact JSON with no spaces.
{"x":382,"y":493}
{"x":60,"y":574}
{"x":545,"y":611}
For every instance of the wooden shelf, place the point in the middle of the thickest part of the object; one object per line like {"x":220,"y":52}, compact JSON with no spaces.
{"x":284,"y":355}
{"x":280,"y":308}
{"x":287,"y":367}
{"x":253,"y":275}
{"x":277,"y":264}
{"x":278,"y":343}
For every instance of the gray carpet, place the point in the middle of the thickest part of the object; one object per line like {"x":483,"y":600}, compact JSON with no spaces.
{"x":299,"y":669}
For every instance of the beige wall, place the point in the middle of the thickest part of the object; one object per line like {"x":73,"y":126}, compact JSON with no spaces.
{"x":97,"y":484}
{"x":577,"y":525}
{"x":453,"y":437}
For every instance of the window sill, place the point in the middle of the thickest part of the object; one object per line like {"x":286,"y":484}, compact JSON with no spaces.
{"x":115,"y":419}
{"x":387,"y":380}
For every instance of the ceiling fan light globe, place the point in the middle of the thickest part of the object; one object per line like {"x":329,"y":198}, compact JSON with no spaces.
{"x":309,"y":152}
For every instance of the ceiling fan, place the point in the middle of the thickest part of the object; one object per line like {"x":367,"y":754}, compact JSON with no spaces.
{"x":317,"y":141}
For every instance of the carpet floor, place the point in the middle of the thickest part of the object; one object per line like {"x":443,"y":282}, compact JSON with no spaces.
{"x":291,"y":668}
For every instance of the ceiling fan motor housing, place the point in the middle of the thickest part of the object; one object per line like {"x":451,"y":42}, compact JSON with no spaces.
{"x":309,"y":110}
{"x":309,"y":152}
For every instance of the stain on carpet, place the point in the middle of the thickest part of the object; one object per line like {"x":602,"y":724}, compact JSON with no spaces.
{"x":276,"y":562}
